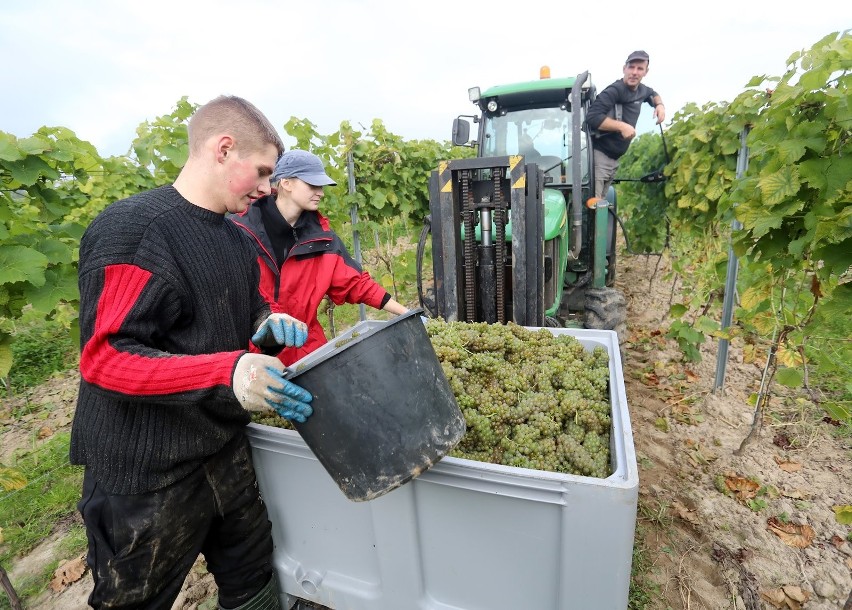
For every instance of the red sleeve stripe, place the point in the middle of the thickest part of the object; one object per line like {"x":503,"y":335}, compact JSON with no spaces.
{"x":134,"y":374}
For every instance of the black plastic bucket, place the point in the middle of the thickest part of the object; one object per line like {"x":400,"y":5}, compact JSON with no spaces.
{"x":383,"y":409}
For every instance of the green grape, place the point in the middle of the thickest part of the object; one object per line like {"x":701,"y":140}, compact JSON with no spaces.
{"x":530,"y":398}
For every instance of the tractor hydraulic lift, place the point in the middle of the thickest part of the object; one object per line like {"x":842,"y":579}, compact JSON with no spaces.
{"x":479,"y":275}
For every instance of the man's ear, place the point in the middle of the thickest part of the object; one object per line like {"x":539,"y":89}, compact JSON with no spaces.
{"x":224,"y":147}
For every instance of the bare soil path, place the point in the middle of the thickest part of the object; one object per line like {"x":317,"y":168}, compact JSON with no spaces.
{"x":711,"y":550}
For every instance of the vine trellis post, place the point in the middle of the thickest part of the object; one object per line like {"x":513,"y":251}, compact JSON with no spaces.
{"x":730,"y":277}
{"x":353,"y":214}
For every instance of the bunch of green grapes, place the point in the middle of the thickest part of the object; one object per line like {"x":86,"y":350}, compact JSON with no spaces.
{"x":530,"y":398}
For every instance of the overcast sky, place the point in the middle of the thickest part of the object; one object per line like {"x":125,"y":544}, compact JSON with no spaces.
{"x":101,"y":68}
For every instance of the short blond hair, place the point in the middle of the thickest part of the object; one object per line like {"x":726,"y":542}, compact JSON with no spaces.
{"x":250,"y":128}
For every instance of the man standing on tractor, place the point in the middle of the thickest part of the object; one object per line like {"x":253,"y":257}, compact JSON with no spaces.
{"x":613,"y":115}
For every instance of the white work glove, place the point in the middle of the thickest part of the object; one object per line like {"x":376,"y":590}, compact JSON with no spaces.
{"x":281,"y":329}
{"x":259,"y":384}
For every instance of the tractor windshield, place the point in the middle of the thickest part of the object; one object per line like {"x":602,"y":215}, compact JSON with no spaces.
{"x":542,"y":135}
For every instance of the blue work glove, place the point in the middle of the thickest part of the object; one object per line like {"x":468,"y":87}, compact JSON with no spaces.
{"x":281,"y":329}
{"x":259,"y":384}
{"x":292,"y":401}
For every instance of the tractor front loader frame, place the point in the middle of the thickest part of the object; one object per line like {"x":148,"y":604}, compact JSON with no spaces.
{"x":479,"y":275}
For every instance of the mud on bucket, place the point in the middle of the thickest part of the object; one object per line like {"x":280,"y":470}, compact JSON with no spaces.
{"x":383,"y":409}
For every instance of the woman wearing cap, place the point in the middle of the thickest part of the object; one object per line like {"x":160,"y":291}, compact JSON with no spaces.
{"x":301,"y":259}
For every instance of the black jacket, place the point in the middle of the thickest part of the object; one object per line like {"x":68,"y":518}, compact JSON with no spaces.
{"x":610,"y":142}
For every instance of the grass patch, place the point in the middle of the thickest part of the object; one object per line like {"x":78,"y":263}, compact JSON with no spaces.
{"x":39,"y":349}
{"x":830,"y":355}
{"x":643,"y":592}
{"x":30,"y":514}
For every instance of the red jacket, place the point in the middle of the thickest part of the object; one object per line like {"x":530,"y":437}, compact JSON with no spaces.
{"x":317,"y":265}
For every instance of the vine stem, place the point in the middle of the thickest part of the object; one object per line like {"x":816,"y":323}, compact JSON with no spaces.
{"x":762,"y":395}
{"x":769,"y":371}
{"x":14,"y":600}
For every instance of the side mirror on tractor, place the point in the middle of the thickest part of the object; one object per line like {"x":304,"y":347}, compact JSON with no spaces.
{"x":461,"y":132}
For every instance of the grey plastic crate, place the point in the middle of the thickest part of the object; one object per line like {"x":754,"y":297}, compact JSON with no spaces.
{"x":464,"y":535}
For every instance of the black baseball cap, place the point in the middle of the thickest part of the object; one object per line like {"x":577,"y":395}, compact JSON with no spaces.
{"x":640,"y":55}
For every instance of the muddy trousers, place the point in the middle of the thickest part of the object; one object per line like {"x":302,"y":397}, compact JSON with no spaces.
{"x":141,"y":547}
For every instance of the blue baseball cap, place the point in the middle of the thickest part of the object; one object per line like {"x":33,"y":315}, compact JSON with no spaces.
{"x":304,"y":165}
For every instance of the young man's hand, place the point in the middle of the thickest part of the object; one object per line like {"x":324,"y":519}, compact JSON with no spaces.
{"x":281,"y":329}
{"x":259,"y":385}
{"x":627,"y":131}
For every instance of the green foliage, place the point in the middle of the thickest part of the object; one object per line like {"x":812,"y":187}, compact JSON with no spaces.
{"x":687,"y":338}
{"x":28,"y":515}
{"x":794,"y":240}
{"x":643,"y":590}
{"x":642,"y":206}
{"x":391,"y":174}
{"x":39,"y":187}
{"x":39,"y":350}
{"x":52,"y":185}
{"x":162,"y":146}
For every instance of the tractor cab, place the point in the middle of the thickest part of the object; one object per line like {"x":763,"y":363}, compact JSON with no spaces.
{"x":534,"y":122}
{"x":536,"y":119}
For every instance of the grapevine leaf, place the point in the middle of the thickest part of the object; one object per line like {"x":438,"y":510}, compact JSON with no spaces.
{"x":837,"y":259}
{"x":835,"y":229}
{"x":60,"y":285}
{"x":779,"y":185}
{"x":5,"y":354}
{"x":753,"y":297}
{"x":830,"y":175}
{"x":764,"y":323}
{"x":34,"y":145}
{"x":56,"y":251}
{"x":788,"y":357}
{"x":759,"y":220}
{"x":756,"y":81}
{"x":8,"y":150}
{"x":677,"y":310}
{"x":706,"y":325}
{"x":843,"y":514}
{"x":11,"y":479}
{"x":793,"y":534}
{"x":784,"y":92}
{"x":814,"y":80}
{"x":816,"y":289}
{"x":717,"y":187}
{"x":797,"y":246}
{"x":838,"y":412}
{"x":22,"y":264}
{"x":793,"y":149}
{"x":378,"y":200}
{"x":28,"y":170}
{"x":792,"y":378}
{"x":840,"y":303}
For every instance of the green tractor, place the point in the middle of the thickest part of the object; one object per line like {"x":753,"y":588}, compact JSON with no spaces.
{"x":542,"y":251}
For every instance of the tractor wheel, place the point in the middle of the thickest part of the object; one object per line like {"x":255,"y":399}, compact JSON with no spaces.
{"x":606,"y":309}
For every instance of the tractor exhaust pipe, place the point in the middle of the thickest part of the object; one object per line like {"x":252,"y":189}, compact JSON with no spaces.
{"x":576,"y":170}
